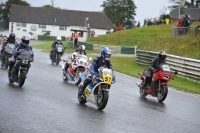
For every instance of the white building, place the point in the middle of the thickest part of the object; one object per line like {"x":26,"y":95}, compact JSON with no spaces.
{"x":34,"y":21}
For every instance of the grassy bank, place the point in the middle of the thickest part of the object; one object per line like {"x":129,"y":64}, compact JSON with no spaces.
{"x":156,"y":38}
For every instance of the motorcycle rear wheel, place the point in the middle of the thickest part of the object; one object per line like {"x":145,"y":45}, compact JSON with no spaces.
{"x":101,"y":103}
{"x":162,"y":94}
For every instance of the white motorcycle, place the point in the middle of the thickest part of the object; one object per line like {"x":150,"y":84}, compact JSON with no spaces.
{"x":97,"y":93}
{"x":79,"y":65}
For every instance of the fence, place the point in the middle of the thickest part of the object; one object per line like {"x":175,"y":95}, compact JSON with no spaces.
{"x":190,"y":31}
{"x":116,"y":40}
{"x":186,"y":67}
{"x":50,"y":38}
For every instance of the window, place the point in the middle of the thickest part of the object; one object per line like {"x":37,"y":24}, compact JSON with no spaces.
{"x":41,"y":26}
{"x":21,"y":24}
{"x":62,"y":27}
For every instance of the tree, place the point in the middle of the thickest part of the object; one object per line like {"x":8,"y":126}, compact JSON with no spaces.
{"x":188,"y":3}
{"x":48,"y":6}
{"x":119,"y":11}
{"x":5,"y":9}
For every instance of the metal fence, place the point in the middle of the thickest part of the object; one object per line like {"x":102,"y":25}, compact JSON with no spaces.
{"x":189,"y":31}
{"x":116,"y":40}
{"x":186,"y":67}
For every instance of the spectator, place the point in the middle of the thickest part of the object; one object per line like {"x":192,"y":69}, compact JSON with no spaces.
{"x":180,"y":23}
{"x":76,"y":39}
{"x":145,"y":21}
{"x":186,"y":24}
{"x":138,"y":25}
{"x":71,"y":37}
{"x":167,"y":18}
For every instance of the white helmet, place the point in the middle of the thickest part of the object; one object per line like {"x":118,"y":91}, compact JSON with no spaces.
{"x":82,"y":47}
{"x":74,"y":55}
{"x":58,"y":39}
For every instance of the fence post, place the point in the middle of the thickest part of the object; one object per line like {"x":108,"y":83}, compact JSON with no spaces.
{"x":135,"y":49}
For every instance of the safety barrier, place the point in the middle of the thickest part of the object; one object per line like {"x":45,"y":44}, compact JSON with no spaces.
{"x":189,"y":31}
{"x":186,"y":67}
{"x":50,"y":38}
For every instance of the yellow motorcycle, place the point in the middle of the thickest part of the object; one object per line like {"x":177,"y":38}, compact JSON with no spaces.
{"x":98,"y":91}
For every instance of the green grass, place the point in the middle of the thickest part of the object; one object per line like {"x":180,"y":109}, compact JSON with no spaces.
{"x":46,"y":47}
{"x":156,"y":38}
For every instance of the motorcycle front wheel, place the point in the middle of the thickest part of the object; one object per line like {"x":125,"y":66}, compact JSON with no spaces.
{"x":77,"y":79}
{"x":143,"y":93}
{"x":6,"y":63}
{"x":162,"y":93}
{"x":58,"y":59}
{"x":102,"y":100}
{"x":80,"y":96}
{"x":22,"y":78}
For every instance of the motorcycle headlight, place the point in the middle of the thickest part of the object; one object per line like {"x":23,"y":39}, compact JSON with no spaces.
{"x":25,"y":61}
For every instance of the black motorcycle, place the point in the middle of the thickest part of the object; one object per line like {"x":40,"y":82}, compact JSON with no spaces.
{"x":22,"y":65}
{"x":7,"y":53}
{"x":57,"y":54}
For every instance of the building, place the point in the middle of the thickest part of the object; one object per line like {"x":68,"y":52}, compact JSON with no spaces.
{"x":193,"y":12}
{"x":56,"y":22}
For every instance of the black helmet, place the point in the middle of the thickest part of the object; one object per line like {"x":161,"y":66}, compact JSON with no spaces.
{"x":162,"y":55}
{"x":12,"y":37}
{"x":25,"y":40}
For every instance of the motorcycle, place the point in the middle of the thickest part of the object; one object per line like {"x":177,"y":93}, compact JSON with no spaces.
{"x":98,"y":91}
{"x":22,"y":65}
{"x":158,"y":86}
{"x":79,"y":65}
{"x":57,"y":53}
{"x":7,"y":53}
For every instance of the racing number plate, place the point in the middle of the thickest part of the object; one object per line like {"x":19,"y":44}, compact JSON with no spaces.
{"x":107,"y":79}
{"x":59,"y":49}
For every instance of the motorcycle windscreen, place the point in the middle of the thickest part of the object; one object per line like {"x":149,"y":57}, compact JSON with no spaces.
{"x":106,"y":74}
{"x":9,"y":48}
{"x":25,"y":55}
{"x":59,"y":47}
{"x":165,"y":67}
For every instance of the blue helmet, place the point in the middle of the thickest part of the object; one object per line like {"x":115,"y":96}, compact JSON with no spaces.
{"x":105,"y":51}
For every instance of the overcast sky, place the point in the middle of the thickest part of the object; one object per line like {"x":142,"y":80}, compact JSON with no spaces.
{"x":145,"y":8}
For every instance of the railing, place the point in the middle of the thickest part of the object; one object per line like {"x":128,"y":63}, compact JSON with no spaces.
{"x":116,"y":40}
{"x":186,"y":67}
{"x":189,"y":31}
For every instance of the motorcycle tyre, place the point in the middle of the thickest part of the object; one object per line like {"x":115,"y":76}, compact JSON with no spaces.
{"x":22,"y":78}
{"x":143,"y":94}
{"x":81,"y":99}
{"x":77,"y":82}
{"x":163,"y":96}
{"x":102,"y":105}
{"x":58,"y":59}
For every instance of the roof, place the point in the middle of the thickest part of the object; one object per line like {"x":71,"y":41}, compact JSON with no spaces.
{"x":54,"y":16}
{"x":193,"y":12}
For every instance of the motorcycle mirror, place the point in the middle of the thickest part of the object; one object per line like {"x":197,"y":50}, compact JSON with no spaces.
{"x":90,"y":58}
{"x":175,"y":72}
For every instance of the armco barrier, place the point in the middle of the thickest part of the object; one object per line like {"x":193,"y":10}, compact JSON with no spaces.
{"x":186,"y":67}
{"x":50,"y":38}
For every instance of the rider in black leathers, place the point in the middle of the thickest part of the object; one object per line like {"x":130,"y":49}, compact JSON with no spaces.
{"x":154,"y":66}
{"x":53,"y":46}
{"x":23,"y":45}
{"x":10,"y":39}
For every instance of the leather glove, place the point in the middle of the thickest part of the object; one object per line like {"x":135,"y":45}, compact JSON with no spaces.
{"x":154,"y":70}
{"x":18,"y":53}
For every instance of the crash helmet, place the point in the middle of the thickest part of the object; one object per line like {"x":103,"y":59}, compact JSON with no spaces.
{"x":162,"y":55}
{"x":106,"y":53}
{"x":12,"y":37}
{"x":58,"y":39}
{"x":25,"y":40}
{"x":74,"y":55}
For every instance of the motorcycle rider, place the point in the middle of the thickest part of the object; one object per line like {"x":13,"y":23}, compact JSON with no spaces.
{"x":23,"y":45}
{"x":53,"y":46}
{"x":10,"y":39}
{"x":81,"y":50}
{"x":72,"y":58}
{"x":154,"y":66}
{"x":102,"y":60}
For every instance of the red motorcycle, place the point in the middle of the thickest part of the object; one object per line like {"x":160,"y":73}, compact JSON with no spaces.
{"x":157,"y":86}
